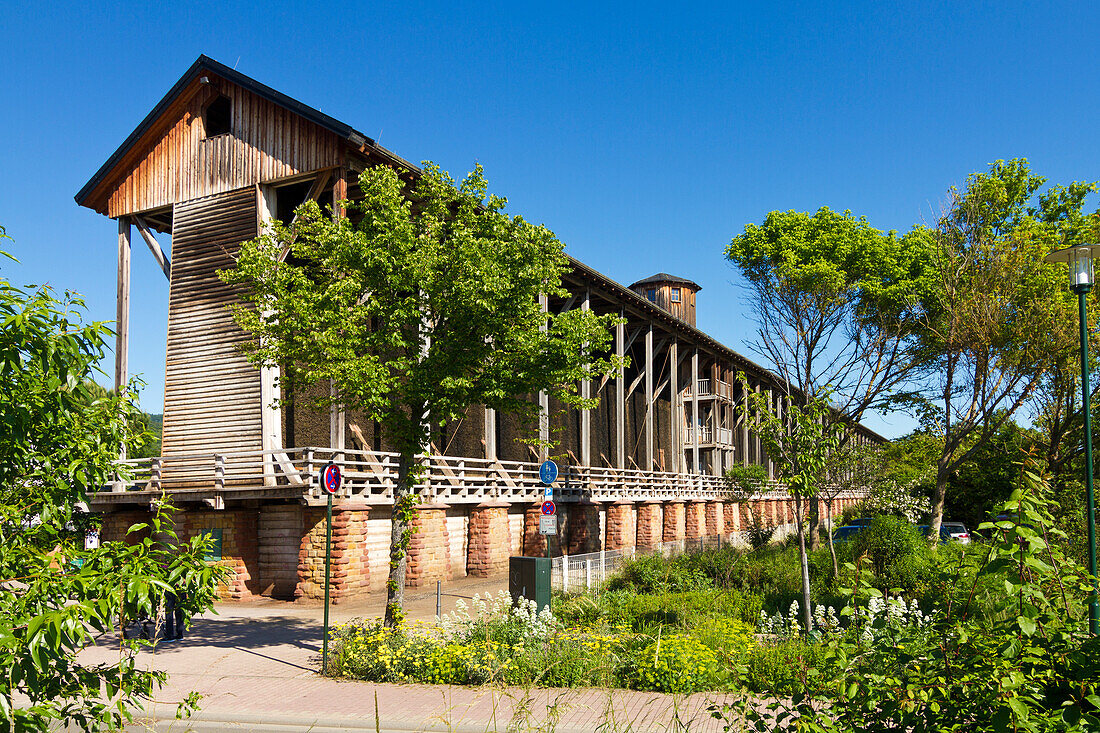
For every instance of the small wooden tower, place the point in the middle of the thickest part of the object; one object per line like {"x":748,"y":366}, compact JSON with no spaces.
{"x":675,"y":294}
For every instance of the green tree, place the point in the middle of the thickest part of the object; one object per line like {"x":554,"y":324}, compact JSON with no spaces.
{"x":801,"y":443}
{"x":994,"y":324}
{"x":429,"y":304}
{"x":828,"y":293}
{"x":60,"y":435}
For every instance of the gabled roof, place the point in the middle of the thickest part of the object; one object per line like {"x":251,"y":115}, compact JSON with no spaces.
{"x":664,"y":277}
{"x":206,"y":64}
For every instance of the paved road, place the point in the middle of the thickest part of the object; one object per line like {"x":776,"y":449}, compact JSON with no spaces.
{"x":255,"y":665}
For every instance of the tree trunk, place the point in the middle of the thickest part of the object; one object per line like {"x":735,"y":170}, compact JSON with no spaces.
{"x":815,"y":523}
{"x":805,"y":562}
{"x":938,"y":499}
{"x":400,"y":531}
{"x":829,"y":535}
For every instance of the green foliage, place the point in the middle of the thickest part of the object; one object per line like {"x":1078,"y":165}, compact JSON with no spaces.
{"x":656,"y":574}
{"x":986,"y":478}
{"x":998,"y":319}
{"x":889,"y":543}
{"x":415,"y":312}
{"x":431,"y":307}
{"x":60,"y":435}
{"x":781,"y":668}
{"x":1029,"y":669}
{"x":676,"y":664}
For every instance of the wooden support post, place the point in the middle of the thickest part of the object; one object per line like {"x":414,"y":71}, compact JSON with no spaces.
{"x":544,"y":398}
{"x":586,"y":393}
{"x":676,"y":409}
{"x":122,"y":324}
{"x":336,"y":422}
{"x":620,"y":398}
{"x":649,"y":398}
{"x":745,"y":423}
{"x":271,"y":418}
{"x":154,"y":474}
{"x":696,"y":423}
{"x":490,"y":434}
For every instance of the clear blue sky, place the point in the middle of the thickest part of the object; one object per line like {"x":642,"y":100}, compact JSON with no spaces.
{"x":644,"y":135}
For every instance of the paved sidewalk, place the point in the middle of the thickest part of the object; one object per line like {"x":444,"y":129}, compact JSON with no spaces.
{"x":255,"y":665}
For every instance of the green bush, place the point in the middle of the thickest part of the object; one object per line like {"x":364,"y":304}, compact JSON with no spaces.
{"x":894,"y":547}
{"x":649,"y":612}
{"x":657,"y":574}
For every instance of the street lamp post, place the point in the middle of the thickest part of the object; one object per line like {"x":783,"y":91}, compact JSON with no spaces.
{"x":1080,"y":272}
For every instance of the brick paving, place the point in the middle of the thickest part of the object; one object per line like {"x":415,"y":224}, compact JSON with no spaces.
{"x":255,"y":665}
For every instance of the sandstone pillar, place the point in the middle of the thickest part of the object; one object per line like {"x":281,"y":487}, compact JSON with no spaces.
{"x":489,"y":544}
{"x":649,"y":532}
{"x":429,"y":548}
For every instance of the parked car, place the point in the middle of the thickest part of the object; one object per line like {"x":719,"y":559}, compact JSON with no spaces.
{"x":847,"y":532}
{"x":956,"y":531}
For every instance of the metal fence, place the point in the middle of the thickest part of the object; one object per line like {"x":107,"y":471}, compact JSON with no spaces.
{"x":590,"y":571}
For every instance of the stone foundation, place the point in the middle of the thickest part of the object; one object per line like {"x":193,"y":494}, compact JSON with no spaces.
{"x":277,"y":549}
{"x":429,"y":548}
{"x":489,"y":539}
{"x":649,"y":524}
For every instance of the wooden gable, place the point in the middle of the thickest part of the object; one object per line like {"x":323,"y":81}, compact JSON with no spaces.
{"x":176,"y":161}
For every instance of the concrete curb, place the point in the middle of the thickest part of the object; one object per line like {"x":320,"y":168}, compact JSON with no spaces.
{"x":203,"y":721}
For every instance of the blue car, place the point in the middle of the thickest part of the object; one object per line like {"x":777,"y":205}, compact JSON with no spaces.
{"x":846,"y":532}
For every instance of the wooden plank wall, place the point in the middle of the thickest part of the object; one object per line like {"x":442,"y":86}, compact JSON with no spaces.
{"x":211,"y":394}
{"x":179,"y":164}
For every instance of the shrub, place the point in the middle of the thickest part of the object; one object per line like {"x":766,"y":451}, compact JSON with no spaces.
{"x":656,"y":574}
{"x":647,"y":613}
{"x":892,"y":545}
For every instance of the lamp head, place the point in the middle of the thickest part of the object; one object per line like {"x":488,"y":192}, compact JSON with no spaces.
{"x":1079,"y":258}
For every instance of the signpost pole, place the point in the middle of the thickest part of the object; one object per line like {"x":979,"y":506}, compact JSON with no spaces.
{"x":331,"y":479}
{"x":328,"y":562}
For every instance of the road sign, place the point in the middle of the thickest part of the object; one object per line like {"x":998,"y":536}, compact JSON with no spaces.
{"x":549,"y":509}
{"x":548,"y":492}
{"x":331,"y":478}
{"x":548,"y":472}
{"x":548,"y":524}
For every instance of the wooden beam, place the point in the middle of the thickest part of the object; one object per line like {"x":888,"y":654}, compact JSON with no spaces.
{"x":271,"y":414}
{"x":154,"y":247}
{"x":676,"y":410}
{"x":122,"y":305}
{"x":649,"y":399}
{"x":586,"y":393}
{"x":336,"y":421}
{"x":745,"y":423}
{"x":696,"y":424}
{"x":490,"y":428}
{"x":620,"y":398}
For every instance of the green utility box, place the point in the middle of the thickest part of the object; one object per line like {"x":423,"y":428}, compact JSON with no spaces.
{"x":529,"y":577}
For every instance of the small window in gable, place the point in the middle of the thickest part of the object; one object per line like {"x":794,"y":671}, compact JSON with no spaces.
{"x":218,"y":117}
{"x":676,"y":295}
{"x":651,"y":295}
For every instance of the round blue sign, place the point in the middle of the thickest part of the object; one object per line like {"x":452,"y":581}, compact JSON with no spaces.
{"x":548,"y":472}
{"x":331,"y":478}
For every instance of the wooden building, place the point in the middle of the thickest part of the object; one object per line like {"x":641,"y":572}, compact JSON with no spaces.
{"x":221,"y":154}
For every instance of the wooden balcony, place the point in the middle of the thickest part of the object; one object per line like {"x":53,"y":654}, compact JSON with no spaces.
{"x":709,"y":389}
{"x":370,"y":477}
{"x":708,"y":436}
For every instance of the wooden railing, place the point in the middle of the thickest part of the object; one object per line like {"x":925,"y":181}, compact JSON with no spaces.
{"x":371,"y":476}
{"x":708,"y":387}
